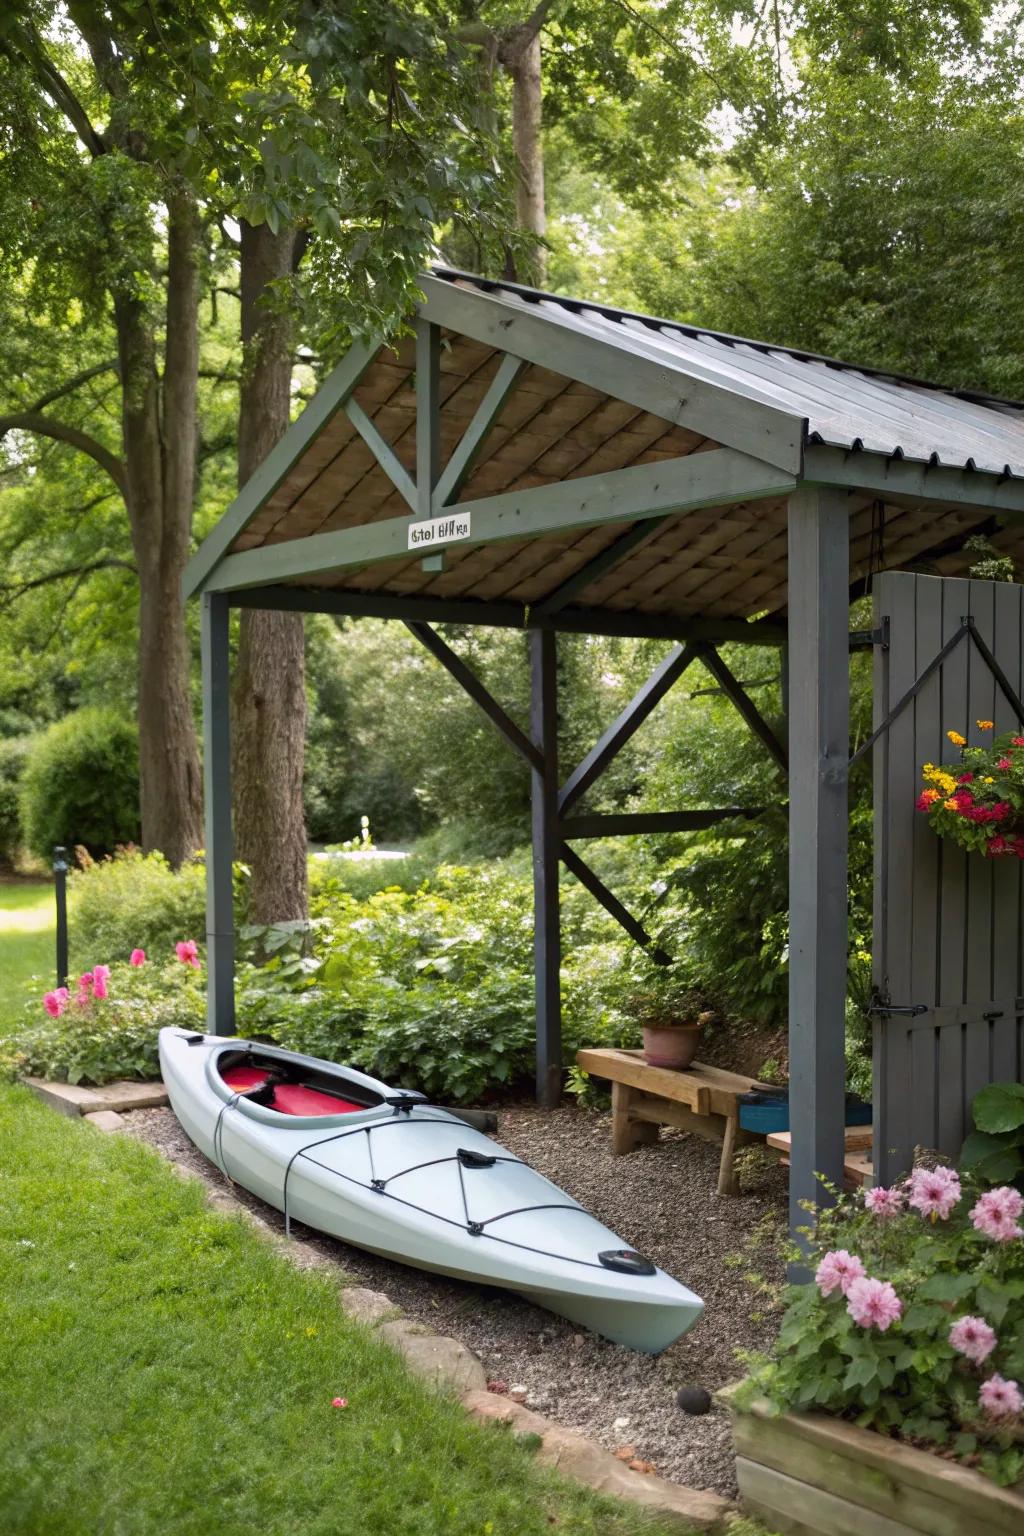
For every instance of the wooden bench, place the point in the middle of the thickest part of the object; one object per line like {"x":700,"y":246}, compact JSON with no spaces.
{"x":700,"y":1098}
{"x":858,"y":1167}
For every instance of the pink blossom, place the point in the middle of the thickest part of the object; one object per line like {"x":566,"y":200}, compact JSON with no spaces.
{"x":1005,"y":763}
{"x":873,"y":1303}
{"x":187,"y":952}
{"x":56,"y":1002}
{"x":339,"y":1402}
{"x":997,"y":1214}
{"x":884,"y":1202}
{"x":137,"y":957}
{"x":934,"y":1191}
{"x":837,"y":1271}
{"x":973,"y":1337}
{"x":1000,"y":1399}
{"x":100,"y":976}
{"x":85,"y":982}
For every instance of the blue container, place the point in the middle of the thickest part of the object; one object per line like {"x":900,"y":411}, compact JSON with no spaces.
{"x":767,"y":1112}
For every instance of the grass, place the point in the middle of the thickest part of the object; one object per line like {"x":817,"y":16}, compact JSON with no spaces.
{"x":26,"y":940}
{"x":163,"y":1371}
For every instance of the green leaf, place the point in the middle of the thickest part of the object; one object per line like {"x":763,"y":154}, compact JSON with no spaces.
{"x":999,"y":1107}
{"x":945,"y":1287}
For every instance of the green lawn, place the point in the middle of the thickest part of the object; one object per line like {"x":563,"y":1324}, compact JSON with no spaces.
{"x":163,"y":1371}
{"x":26,"y":940}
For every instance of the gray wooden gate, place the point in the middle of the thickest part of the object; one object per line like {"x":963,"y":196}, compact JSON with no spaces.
{"x":947,"y":925}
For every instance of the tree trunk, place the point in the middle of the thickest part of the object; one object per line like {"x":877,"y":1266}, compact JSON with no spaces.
{"x":159,"y":438}
{"x":525,"y":69}
{"x":269,"y":691}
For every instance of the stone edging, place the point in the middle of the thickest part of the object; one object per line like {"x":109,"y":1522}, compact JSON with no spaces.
{"x":447,"y":1364}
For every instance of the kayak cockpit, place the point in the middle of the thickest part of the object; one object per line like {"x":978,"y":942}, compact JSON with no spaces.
{"x":291,"y":1089}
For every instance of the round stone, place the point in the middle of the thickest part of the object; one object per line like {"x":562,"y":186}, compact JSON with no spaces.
{"x":693,"y":1399}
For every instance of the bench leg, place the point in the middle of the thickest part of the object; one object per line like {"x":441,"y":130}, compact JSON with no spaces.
{"x":626,"y":1133}
{"x":728,"y":1183}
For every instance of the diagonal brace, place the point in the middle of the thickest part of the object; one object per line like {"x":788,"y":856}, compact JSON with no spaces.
{"x":459,"y":466}
{"x":382,"y":452}
{"x":735,"y":691}
{"x":468,"y":680}
{"x":611,"y":903}
{"x":628,"y":723}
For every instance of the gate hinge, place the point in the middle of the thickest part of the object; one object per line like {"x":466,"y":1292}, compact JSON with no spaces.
{"x":866,"y":639}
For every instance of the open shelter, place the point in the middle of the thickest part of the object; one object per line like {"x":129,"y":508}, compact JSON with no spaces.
{"x":559,"y":466}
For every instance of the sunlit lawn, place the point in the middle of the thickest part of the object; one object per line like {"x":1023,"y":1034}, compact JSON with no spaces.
{"x":26,"y":940}
{"x":164,"y":1373}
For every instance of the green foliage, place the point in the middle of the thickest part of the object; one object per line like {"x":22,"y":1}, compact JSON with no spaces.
{"x":13,"y":755}
{"x":134,"y":900}
{"x":907,"y":1380}
{"x":96,"y":1040}
{"x":979,"y":806}
{"x":80,"y":786}
{"x":994,"y":1150}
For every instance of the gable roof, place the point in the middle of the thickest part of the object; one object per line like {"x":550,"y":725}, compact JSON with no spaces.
{"x":599,"y":390}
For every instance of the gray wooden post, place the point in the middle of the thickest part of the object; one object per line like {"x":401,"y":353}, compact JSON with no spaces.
{"x":819,"y":713}
{"x":220,"y":926}
{"x":544,"y":827}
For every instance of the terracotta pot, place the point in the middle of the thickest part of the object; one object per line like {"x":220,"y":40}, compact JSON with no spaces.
{"x":671,"y":1045}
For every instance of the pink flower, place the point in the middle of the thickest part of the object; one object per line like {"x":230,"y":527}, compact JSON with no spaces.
{"x":934,"y":1191}
{"x":973,"y":1337}
{"x":873,"y":1303}
{"x":187,"y":952}
{"x":137,"y":957}
{"x":339,"y":1402}
{"x":100,"y":974}
{"x":85,"y":981}
{"x":1005,"y":763}
{"x":56,"y":1002}
{"x":884,"y":1202}
{"x":1000,"y":1399}
{"x":1018,"y":741}
{"x":837,"y":1271}
{"x":997,"y":1214}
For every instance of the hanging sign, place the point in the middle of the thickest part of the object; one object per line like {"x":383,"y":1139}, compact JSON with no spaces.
{"x":439,"y":530}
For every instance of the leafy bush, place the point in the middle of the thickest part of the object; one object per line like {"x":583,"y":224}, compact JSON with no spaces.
{"x":81,"y":784}
{"x":95,"y":1039}
{"x":995,"y":1148}
{"x":915,"y":1325}
{"x":136,"y":900}
{"x":13,"y":753}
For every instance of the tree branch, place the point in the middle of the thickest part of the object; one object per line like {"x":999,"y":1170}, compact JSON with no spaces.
{"x":73,"y":384}
{"x":58,"y":89}
{"x":15,"y":589}
{"x":61,"y":432}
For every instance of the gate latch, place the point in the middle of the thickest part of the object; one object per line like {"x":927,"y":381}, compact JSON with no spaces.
{"x":881,"y":1005}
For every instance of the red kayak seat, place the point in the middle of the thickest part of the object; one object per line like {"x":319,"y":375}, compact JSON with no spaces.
{"x":289,"y":1098}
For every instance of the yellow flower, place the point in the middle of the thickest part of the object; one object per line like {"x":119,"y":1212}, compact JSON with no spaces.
{"x":988,"y":779}
{"x":985,"y":725}
{"x":950,"y":805}
{"x":957,"y":739}
{"x":940,"y":777}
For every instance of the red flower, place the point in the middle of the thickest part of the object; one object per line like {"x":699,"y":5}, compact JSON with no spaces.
{"x":966,"y":778}
{"x":1018,"y":741}
{"x":1005,"y":763}
{"x":997,"y":845}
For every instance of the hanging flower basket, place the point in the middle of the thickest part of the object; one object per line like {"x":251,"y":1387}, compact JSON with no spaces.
{"x":979,"y":804}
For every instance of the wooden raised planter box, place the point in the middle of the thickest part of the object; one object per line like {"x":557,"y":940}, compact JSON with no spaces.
{"x":812,"y":1475}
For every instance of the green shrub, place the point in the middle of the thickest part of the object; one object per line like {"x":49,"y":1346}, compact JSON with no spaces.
{"x":13,"y":754}
{"x":132,"y":901}
{"x":81,"y":784}
{"x":97,"y":1041}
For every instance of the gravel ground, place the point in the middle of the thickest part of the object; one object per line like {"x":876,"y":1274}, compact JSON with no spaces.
{"x":662,"y":1200}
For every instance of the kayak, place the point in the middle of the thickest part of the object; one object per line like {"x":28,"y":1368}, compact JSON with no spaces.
{"x":383,"y":1169}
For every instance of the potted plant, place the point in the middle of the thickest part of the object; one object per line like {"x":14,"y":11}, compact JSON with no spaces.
{"x":672,"y":1016}
{"x":978,"y":803}
{"x":895,"y":1391}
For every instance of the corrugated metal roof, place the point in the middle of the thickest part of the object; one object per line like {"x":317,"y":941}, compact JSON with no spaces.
{"x":845,"y":406}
